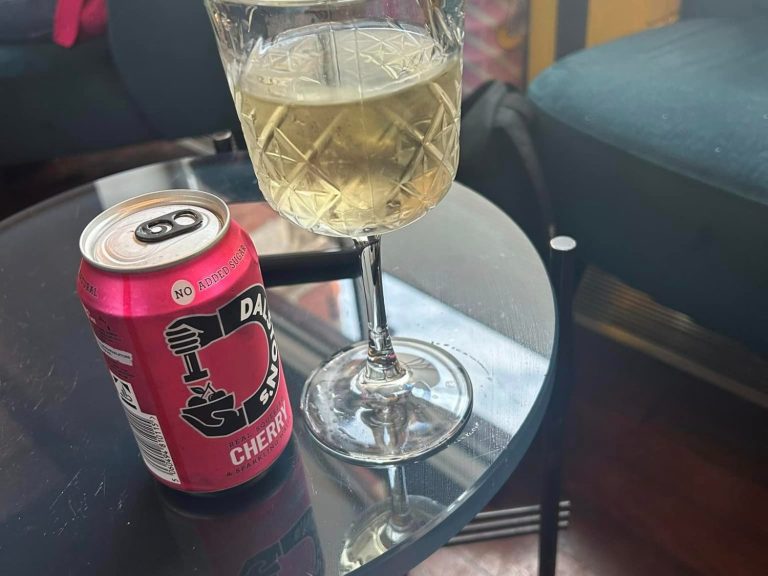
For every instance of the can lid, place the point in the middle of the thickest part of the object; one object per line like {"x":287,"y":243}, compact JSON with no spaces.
{"x":154,"y":230}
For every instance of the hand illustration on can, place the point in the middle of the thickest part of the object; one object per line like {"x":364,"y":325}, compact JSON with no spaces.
{"x":187,"y":335}
{"x":191,"y":333}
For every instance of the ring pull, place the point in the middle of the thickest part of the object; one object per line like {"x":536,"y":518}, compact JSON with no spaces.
{"x":168,"y":226}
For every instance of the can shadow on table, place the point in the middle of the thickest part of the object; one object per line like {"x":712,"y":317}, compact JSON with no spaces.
{"x":264,"y":528}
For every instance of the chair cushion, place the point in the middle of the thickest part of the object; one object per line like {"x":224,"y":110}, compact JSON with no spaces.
{"x":59,"y":101}
{"x":692,"y":98}
{"x":25,"y":20}
{"x":656,"y":150}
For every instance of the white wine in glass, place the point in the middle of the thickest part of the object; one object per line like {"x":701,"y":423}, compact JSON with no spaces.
{"x":363,"y":148}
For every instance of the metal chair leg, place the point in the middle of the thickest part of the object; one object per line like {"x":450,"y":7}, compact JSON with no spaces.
{"x":562,"y":263}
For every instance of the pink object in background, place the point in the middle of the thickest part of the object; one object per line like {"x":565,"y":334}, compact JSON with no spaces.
{"x":75,"y":18}
{"x":494,"y":42}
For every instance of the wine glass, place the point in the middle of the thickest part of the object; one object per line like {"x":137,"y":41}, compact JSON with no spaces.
{"x":350,"y":110}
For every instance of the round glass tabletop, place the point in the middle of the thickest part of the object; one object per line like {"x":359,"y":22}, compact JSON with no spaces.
{"x":74,"y":494}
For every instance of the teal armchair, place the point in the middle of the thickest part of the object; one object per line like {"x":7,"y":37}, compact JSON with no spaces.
{"x":655,"y":149}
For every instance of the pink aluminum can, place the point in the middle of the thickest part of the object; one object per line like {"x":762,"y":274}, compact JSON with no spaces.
{"x":175,"y":297}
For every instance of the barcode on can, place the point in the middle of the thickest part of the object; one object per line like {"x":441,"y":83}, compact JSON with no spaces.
{"x":149,"y":436}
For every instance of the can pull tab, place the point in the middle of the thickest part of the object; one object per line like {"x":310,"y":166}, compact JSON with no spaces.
{"x":168,"y":226}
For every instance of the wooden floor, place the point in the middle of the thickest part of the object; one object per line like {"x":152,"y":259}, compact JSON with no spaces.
{"x":667,"y":476}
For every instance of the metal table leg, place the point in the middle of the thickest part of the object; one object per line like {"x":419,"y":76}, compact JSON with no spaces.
{"x":562,"y":258}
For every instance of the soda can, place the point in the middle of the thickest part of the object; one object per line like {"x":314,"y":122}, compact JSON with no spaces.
{"x":175,"y":297}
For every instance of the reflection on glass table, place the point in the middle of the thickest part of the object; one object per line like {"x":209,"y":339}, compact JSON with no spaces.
{"x":386,"y":523}
{"x":229,"y":533}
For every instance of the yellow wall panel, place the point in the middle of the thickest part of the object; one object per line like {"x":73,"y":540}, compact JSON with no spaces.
{"x":542,"y":34}
{"x":611,"y":19}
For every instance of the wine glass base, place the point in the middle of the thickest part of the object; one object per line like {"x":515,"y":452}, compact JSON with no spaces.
{"x":416,"y":425}
{"x":379,"y":530}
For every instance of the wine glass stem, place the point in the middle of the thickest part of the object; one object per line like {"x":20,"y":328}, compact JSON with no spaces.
{"x":400,"y":518}
{"x":382,"y":369}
